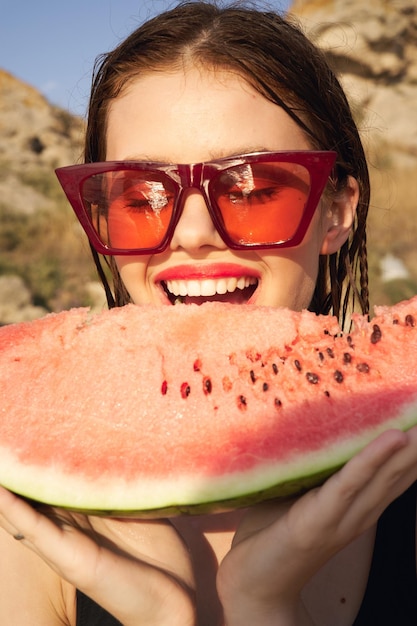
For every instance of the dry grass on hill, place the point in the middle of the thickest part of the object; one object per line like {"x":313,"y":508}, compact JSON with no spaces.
{"x":392,"y":230}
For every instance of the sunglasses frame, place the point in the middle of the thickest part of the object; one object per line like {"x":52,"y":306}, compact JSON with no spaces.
{"x":198,"y":176}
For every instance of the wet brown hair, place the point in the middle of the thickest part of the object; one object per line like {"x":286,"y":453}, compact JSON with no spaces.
{"x":272,"y":53}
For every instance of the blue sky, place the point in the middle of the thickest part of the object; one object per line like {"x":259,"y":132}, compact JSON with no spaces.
{"x":52,"y":44}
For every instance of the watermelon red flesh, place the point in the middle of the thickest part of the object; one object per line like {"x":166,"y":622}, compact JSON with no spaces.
{"x":173,"y":409}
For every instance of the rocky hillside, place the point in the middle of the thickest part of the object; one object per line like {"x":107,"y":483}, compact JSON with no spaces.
{"x":31,"y":127}
{"x":373,"y":47}
{"x":45,"y":264}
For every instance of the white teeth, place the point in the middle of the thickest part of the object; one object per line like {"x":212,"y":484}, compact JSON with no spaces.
{"x":221,"y":286}
{"x":208,"y":286}
{"x":192,"y":287}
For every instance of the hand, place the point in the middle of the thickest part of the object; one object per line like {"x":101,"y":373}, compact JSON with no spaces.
{"x":278,"y":548}
{"x":98,"y":557}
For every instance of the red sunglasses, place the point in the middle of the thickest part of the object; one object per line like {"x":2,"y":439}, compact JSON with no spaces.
{"x":260,"y":200}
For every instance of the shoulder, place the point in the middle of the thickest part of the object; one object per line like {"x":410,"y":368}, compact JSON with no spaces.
{"x":30,"y":592}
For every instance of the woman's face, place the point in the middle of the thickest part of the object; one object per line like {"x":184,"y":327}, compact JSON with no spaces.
{"x":201,"y":115}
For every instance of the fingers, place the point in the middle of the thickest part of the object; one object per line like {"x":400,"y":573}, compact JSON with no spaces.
{"x":15,"y":514}
{"x":380,"y":473}
{"x":59,"y":545}
{"x":328,"y":518}
{"x":299,"y":537}
{"x":386,"y":455}
{"x":132,"y":590}
{"x":352,"y":500}
{"x":64,"y":546}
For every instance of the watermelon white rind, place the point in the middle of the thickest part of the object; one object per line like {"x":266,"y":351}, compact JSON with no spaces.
{"x":146,"y":411}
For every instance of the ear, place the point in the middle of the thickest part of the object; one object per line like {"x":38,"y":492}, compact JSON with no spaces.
{"x":340,"y":217}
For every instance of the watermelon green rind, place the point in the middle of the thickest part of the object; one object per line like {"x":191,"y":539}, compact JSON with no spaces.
{"x":113,"y":414}
{"x":113,"y":497}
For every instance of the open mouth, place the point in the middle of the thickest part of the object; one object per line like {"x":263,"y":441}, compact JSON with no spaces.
{"x":231,"y":289}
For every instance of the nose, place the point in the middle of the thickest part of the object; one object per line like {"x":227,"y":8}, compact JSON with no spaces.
{"x":195,"y":228}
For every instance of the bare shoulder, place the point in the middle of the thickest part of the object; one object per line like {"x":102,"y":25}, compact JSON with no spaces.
{"x":30,"y":592}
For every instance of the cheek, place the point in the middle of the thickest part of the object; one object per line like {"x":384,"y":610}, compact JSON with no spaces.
{"x":133,"y":273}
{"x":292,"y":272}
{"x":290,"y":281}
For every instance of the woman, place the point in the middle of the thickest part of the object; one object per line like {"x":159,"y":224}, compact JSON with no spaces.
{"x":230,"y":91}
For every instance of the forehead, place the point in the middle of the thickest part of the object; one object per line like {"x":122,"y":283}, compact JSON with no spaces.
{"x":196,"y":115}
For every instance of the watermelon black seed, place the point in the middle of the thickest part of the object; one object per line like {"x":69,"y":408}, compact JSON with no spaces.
{"x":207,"y":386}
{"x":410,"y":321}
{"x":298,"y":365}
{"x":241,"y":402}
{"x":376,"y":334}
{"x":350,"y":341}
{"x":330,"y":353}
{"x":164,"y":387}
{"x":185,"y":390}
{"x":327,"y":393}
{"x":265,"y":387}
{"x":277,"y":402}
{"x":363,"y":368}
{"x":275,"y":368}
{"x":312,"y":378}
{"x":252,"y":376}
{"x":338,"y":376}
{"x":347,"y":358}
{"x":321,"y":356}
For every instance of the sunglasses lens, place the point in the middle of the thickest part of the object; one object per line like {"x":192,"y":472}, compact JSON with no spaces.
{"x":129,"y":209}
{"x":262,"y":203}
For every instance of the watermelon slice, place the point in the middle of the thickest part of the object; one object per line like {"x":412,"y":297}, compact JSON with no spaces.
{"x":155,"y":411}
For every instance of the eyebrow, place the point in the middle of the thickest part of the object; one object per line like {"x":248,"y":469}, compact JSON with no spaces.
{"x":222,"y":154}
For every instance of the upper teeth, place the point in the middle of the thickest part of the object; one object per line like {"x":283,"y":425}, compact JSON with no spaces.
{"x":208,"y":286}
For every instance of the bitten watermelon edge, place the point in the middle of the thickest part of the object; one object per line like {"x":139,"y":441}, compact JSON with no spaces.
{"x":147,"y":411}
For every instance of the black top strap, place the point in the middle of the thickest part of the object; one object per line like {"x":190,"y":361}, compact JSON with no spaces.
{"x":391,"y":592}
{"x":91,"y":614}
